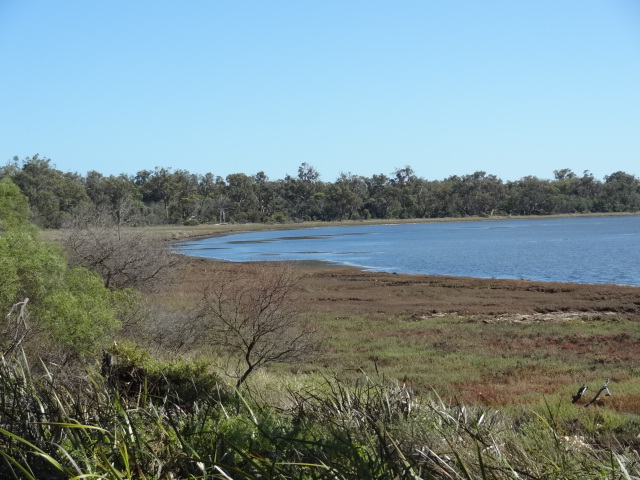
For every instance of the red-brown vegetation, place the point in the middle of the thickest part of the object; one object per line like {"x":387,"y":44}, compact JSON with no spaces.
{"x":483,"y":341}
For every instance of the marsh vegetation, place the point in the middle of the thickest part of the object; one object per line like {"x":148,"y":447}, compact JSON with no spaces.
{"x":410,"y":376}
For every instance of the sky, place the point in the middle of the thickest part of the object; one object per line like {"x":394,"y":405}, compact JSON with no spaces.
{"x":512,"y":88}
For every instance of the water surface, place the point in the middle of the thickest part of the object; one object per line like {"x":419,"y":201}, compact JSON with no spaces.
{"x":584,"y":249}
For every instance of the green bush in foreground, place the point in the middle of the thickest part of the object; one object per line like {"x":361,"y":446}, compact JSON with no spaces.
{"x":371,"y":429}
{"x":135,"y":375}
{"x":42,"y":301}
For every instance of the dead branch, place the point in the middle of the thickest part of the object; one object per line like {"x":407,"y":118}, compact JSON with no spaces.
{"x":579,"y":394}
{"x":255,"y":319}
{"x":604,"y":388}
{"x":123,"y":256}
{"x":18,"y":326}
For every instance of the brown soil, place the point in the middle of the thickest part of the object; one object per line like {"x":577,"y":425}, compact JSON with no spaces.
{"x":349,"y":291}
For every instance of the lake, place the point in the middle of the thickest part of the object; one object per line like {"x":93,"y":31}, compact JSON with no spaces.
{"x":582,"y":249}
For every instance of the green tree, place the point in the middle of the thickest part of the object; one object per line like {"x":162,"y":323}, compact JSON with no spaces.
{"x":81,"y":313}
{"x":305,"y":194}
{"x":14,"y":207}
{"x":241,"y":193}
{"x":346,"y":197}
{"x":119,"y":196}
{"x":52,"y":194}
{"x":530,"y":196}
{"x":383,"y":201}
{"x":187,"y":199}
{"x":156,"y":187}
{"x":621,"y":192}
{"x":478,"y":194}
{"x":407,"y":189}
{"x":40,"y":296}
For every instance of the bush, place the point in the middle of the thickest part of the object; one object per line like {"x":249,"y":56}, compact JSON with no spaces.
{"x":135,"y":374}
{"x":279,"y":217}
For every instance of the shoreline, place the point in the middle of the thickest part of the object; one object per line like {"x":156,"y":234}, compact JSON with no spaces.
{"x":318,"y":261}
{"x":343,"y":291}
{"x":179,"y":233}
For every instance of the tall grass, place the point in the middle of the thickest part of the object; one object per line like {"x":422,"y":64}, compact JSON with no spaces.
{"x":369,"y":429}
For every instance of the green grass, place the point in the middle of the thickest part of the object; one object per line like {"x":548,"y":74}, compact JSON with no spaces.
{"x":323,"y":428}
{"x":506,"y":362}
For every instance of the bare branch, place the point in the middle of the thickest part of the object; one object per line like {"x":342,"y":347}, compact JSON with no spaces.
{"x":580,"y":393}
{"x":16,"y":327}
{"x":255,"y":320}
{"x":604,"y":388}
{"x":123,"y":256}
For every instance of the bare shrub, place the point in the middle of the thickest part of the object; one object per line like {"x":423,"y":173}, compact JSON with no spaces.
{"x":124,"y":256}
{"x":171,"y":331}
{"x":255,"y":319}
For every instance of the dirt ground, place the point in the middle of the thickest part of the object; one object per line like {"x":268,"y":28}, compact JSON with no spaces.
{"x":349,"y":291}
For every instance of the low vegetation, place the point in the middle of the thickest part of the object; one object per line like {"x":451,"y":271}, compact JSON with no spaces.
{"x":328,"y":429}
{"x":209,"y":374}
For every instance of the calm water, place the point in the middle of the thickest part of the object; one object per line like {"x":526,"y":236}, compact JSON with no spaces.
{"x":585,"y":250}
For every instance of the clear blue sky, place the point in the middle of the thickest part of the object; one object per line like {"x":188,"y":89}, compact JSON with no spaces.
{"x":510,"y":87}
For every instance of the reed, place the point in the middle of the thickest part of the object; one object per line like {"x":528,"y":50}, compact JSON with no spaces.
{"x":328,"y":428}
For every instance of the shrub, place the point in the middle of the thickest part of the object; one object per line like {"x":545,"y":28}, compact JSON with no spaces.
{"x":135,"y":374}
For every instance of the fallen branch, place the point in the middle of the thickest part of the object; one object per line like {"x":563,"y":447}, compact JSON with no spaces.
{"x":580,"y":393}
{"x":604,"y":388}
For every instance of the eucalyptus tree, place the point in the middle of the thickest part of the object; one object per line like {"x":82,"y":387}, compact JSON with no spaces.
{"x":375,"y":195}
{"x":268,"y":196}
{"x":210,"y":188}
{"x":479,"y":193}
{"x":589,"y":192}
{"x":157,"y":187}
{"x":187,"y":199}
{"x":621,"y":192}
{"x":243,"y":198}
{"x":403,"y":182}
{"x":304,"y":194}
{"x":530,"y":196}
{"x":345,"y":197}
{"x":52,"y":194}
{"x":117,"y":195}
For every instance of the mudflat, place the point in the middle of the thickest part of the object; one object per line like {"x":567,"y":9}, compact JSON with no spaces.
{"x":350,"y":291}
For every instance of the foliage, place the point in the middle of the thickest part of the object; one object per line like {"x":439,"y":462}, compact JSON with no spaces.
{"x":30,"y":268}
{"x":52,"y":194}
{"x":373,"y":429}
{"x":134,"y":373}
{"x":14,"y":207}
{"x":80,"y":315}
{"x":70,"y":307}
{"x":164,"y":196}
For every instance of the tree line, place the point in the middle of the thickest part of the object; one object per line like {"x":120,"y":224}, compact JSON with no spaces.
{"x":163,"y":195}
